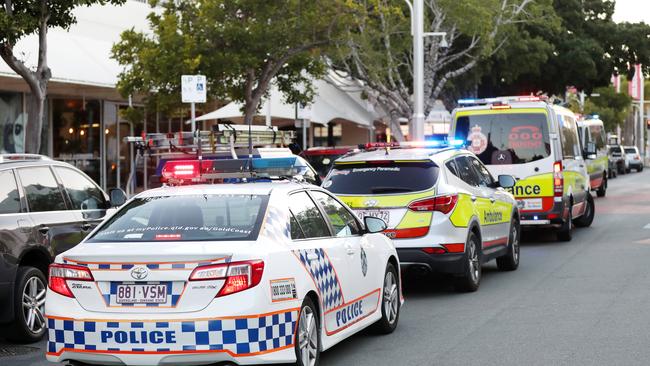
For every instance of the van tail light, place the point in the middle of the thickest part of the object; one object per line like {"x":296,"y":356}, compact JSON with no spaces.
{"x":444,"y":204}
{"x":558,"y":179}
{"x":61,"y":273}
{"x":238,"y":276}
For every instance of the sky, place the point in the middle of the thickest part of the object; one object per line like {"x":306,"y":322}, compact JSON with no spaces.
{"x":632,"y":11}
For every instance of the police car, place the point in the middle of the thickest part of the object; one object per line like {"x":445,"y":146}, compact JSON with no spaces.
{"x":445,"y":211}
{"x":246,"y":273}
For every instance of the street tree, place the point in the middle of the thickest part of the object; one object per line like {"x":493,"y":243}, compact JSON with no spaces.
{"x":242,"y":46}
{"x":22,"y":18}
{"x":378,"y":48}
{"x":583,"y":51}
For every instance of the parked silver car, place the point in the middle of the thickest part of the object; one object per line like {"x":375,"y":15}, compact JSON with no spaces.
{"x":634,"y":160}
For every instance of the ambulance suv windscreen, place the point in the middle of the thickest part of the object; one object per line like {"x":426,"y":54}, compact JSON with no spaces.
{"x":185,"y":218}
{"x":385,"y":178}
{"x":507,"y":138}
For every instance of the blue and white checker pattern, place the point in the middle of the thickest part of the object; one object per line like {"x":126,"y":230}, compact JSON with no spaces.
{"x":322,"y":271}
{"x":243,"y":336}
{"x":109,"y":292}
{"x":277,"y":225}
{"x":152,"y":266}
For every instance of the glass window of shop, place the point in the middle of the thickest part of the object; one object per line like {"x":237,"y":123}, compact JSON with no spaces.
{"x":76,"y":134}
{"x":12,"y":123}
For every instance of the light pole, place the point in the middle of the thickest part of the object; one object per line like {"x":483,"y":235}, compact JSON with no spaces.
{"x":416,"y":127}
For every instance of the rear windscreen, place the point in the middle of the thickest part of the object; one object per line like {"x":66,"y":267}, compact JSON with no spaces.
{"x":630,"y":150}
{"x":322,"y":163}
{"x":389,"y":178}
{"x":185,"y":218}
{"x":507,"y":138}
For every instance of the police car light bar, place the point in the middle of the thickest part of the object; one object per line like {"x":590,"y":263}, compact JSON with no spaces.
{"x":183,"y":172}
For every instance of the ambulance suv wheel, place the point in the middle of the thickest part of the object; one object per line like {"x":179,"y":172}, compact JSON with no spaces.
{"x":602,"y":190}
{"x":308,"y":337}
{"x":390,"y":302}
{"x":510,"y":261}
{"x":471,"y":279}
{"x":588,"y":217}
{"x":29,"y":305}
{"x":564,"y":233}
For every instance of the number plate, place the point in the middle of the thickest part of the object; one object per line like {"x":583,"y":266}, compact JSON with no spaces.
{"x":384,"y":215}
{"x":530,"y":204}
{"x":141,"y":294}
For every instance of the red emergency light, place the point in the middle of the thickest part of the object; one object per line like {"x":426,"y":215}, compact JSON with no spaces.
{"x":184,"y":170}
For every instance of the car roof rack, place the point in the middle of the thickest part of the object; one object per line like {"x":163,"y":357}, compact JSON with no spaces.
{"x":223,"y":139}
{"x":5,"y":158}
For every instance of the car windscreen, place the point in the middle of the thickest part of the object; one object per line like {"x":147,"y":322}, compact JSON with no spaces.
{"x":505,"y":138}
{"x":630,"y":150}
{"x":322,"y":163}
{"x":384,"y":178}
{"x":204,"y":217}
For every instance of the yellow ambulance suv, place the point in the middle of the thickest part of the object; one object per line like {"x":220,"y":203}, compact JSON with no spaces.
{"x":537,"y":143}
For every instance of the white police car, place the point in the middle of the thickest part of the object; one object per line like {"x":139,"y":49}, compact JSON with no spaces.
{"x":246,"y":273}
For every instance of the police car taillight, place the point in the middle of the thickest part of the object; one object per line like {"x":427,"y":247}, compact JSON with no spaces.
{"x":444,"y":204}
{"x":61,"y":273}
{"x":558,"y":179}
{"x":238,"y":276}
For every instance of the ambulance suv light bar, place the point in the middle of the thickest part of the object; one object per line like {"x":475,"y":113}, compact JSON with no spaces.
{"x":202,"y":171}
{"x":502,"y":100}
{"x":415,"y":144}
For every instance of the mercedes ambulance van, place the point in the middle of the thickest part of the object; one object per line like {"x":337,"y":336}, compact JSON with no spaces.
{"x":591,"y":131}
{"x":538,"y":144}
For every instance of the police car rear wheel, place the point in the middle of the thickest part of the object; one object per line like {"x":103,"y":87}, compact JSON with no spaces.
{"x":470,"y":280}
{"x":510,"y":261}
{"x":308,"y":340}
{"x":390,"y":302}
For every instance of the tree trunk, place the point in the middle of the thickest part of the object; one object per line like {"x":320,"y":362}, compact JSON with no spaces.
{"x":395,"y":127}
{"x":35,"y":119}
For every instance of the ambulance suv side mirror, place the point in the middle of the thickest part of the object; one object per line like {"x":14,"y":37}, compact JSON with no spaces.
{"x":117,"y":196}
{"x":507,"y":181}
{"x":374,"y":224}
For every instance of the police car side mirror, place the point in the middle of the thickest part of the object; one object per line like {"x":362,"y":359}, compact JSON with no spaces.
{"x":507,"y":181}
{"x":374,"y":224}
{"x":117,"y":197}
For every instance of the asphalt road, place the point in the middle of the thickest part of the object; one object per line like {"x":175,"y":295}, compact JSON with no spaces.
{"x":585,"y":302}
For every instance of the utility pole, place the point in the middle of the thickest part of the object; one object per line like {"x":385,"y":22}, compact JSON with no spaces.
{"x":416,"y":127}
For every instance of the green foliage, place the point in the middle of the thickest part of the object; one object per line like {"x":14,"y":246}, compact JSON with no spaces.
{"x":612,"y":107}
{"x":24,"y":17}
{"x":583,"y":49}
{"x":240,"y":45}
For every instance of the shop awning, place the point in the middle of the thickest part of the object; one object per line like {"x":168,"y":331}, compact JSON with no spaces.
{"x":332,"y":101}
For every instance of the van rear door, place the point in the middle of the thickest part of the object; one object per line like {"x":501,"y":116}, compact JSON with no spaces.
{"x":516,"y":142}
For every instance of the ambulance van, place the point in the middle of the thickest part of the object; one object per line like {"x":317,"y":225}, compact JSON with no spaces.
{"x":591,"y":131}
{"x":537,"y":143}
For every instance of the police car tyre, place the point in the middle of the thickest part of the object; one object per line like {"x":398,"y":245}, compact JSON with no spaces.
{"x":588,"y":217}
{"x":510,"y":261}
{"x":29,"y":305}
{"x":308,"y":338}
{"x":602,"y":190}
{"x":471,"y":279}
{"x":390,"y":302}
{"x":564,"y":233}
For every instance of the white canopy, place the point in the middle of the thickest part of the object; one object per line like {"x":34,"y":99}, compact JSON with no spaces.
{"x":332,"y":101}
{"x":82,"y":55}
